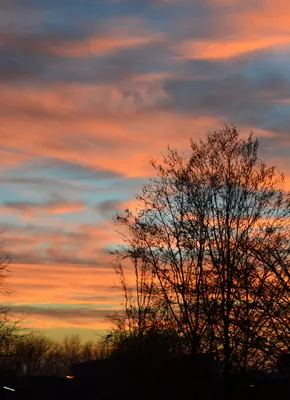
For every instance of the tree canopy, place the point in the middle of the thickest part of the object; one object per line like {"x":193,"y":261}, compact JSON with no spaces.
{"x":209,"y":247}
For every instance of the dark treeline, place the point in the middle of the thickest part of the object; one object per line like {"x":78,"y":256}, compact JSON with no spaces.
{"x":34,"y":354}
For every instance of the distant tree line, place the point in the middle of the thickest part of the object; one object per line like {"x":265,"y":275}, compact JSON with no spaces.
{"x":208,"y":247}
{"x":34,"y":354}
{"x":29,"y":353}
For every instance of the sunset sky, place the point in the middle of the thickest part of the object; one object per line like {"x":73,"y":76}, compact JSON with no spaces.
{"x":90,"y":90}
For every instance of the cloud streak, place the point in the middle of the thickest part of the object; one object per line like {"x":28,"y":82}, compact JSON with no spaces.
{"x":32,"y":209}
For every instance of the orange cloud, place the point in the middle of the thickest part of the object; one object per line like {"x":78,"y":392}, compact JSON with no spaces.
{"x":95,"y":45}
{"x":108,"y":120}
{"x":225,"y":49}
{"x":52,"y":296}
{"x":36,"y":319}
{"x":241,"y":28}
{"x":63,"y":284}
{"x":33,"y":209}
{"x":114,"y":35}
{"x":268,"y":17}
{"x":60,"y":242}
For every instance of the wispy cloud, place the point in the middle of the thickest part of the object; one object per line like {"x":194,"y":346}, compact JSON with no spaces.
{"x":32,"y":209}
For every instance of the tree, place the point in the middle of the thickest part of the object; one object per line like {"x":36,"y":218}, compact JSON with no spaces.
{"x":211,"y":237}
{"x":9,"y":325}
{"x":32,"y":354}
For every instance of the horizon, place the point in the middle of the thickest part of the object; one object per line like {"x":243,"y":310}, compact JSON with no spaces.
{"x":91,"y":91}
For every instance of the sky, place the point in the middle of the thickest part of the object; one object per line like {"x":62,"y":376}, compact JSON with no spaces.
{"x":90,"y":90}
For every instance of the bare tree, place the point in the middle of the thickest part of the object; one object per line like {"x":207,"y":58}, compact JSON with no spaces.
{"x":33,"y":354}
{"x":10,"y":326}
{"x":211,"y":233}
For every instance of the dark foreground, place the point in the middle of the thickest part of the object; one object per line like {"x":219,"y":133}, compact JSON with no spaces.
{"x":62,"y":388}
{"x":177,"y":379}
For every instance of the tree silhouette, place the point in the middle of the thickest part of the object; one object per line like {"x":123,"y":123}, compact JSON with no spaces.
{"x":9,"y":325}
{"x":209,"y":248}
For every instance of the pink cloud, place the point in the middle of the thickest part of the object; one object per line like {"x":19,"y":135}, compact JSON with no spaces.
{"x":268,"y":17}
{"x":239,"y":30}
{"x":86,"y":294}
{"x":70,"y":243}
{"x":63,"y":284}
{"x":112,"y":36}
{"x":41,"y":320}
{"x":33,"y":209}
{"x":229,"y":48}
{"x":105,"y":116}
{"x":109,"y":43}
